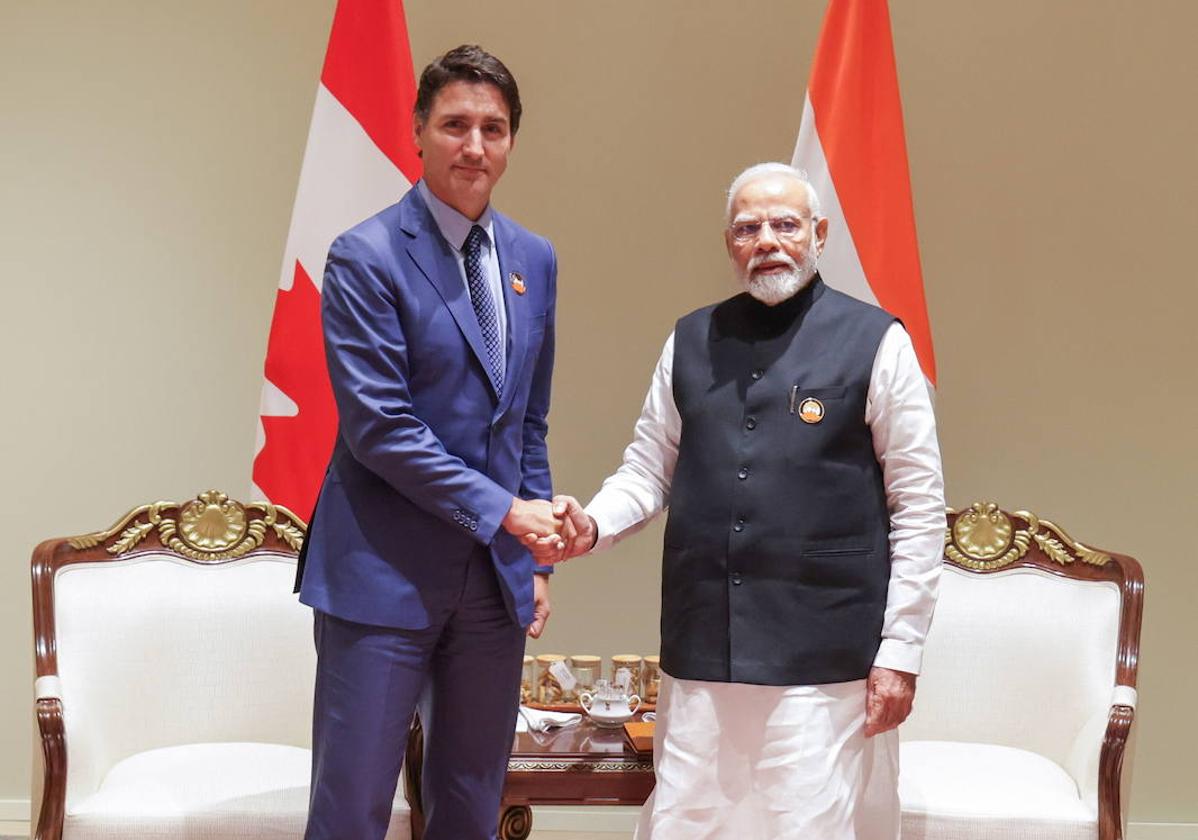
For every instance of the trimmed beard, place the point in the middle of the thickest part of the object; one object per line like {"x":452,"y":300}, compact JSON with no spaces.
{"x":773,"y":289}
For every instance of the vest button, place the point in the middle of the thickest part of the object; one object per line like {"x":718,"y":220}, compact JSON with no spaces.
{"x":736,"y":578}
{"x":751,"y":423}
{"x":742,"y":473}
{"x":757,"y":374}
{"x":738,"y":526}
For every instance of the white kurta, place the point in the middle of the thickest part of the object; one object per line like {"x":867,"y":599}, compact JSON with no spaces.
{"x":767,"y":762}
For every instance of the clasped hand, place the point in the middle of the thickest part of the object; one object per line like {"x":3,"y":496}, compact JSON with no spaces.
{"x":552,"y":531}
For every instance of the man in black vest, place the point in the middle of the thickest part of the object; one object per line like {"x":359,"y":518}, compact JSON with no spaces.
{"x":790,"y":433}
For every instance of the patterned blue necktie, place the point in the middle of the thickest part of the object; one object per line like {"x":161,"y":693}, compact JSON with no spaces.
{"x":484,"y":305}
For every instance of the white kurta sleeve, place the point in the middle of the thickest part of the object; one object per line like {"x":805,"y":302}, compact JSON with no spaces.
{"x":640,"y":489}
{"x":899,"y":413}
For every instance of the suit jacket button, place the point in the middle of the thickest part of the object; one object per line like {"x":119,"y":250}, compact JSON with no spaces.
{"x":736,"y":578}
{"x":473,"y":526}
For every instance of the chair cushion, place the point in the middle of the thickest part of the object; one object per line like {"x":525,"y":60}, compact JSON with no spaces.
{"x":206,"y":792}
{"x":953,"y":791}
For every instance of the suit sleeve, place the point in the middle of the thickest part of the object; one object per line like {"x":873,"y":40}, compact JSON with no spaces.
{"x":367,"y":356}
{"x":535,"y":479}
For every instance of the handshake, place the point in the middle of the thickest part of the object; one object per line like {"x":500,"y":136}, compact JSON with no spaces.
{"x":552,"y":530}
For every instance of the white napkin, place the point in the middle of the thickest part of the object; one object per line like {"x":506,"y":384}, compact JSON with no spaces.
{"x":539,"y":721}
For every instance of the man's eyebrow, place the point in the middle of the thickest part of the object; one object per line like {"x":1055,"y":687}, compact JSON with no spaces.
{"x":453,"y":115}
{"x":770,"y":212}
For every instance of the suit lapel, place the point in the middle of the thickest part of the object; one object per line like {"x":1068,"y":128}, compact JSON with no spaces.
{"x":432,"y":255}
{"x":511,"y":261}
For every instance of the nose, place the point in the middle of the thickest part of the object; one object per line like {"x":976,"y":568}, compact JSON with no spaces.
{"x":472,"y":144}
{"x":766,"y":240}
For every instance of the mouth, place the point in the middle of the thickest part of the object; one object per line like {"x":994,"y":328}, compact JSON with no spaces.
{"x":771,"y":268}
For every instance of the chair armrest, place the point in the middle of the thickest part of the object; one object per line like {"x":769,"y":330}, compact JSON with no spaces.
{"x":1110,"y":765}
{"x":54,"y":754}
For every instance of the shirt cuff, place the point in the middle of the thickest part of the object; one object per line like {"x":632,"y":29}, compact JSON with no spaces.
{"x":542,"y":570}
{"x":603,"y":527}
{"x":899,"y":656}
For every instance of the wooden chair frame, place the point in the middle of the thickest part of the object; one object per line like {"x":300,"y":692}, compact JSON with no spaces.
{"x":210,"y":529}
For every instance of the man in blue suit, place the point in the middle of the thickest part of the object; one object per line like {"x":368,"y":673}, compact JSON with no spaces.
{"x":438,"y":318}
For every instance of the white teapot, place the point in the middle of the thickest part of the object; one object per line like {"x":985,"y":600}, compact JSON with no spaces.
{"x":609,"y":705}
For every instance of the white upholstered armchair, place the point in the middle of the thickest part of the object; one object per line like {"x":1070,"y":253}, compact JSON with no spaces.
{"x":1027,"y":695}
{"x":175,"y":673}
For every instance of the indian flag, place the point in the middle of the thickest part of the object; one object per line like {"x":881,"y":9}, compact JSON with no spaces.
{"x":852,"y":145}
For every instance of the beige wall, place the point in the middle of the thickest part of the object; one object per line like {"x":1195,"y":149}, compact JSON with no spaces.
{"x":148,"y":156}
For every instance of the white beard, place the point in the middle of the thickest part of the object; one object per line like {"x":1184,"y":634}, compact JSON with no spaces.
{"x":773,"y":289}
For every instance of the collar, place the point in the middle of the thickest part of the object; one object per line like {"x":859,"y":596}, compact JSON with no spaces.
{"x":453,"y":225}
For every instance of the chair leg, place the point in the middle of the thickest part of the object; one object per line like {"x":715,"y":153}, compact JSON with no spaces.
{"x":413,"y":763}
{"x":1110,"y":773}
{"x":54,"y":753}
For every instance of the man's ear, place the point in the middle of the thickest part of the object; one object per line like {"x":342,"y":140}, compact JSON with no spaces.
{"x":821,"y":235}
{"x":417,"y":129}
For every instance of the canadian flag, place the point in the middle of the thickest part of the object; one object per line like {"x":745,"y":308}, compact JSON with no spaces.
{"x":360,"y":158}
{"x":851,"y":143}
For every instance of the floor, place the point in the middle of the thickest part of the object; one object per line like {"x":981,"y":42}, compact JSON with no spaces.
{"x":536,"y":835}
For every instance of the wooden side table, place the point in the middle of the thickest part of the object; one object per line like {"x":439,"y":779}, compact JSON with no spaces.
{"x":582,"y":765}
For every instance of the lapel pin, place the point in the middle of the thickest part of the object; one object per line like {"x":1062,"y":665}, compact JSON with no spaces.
{"x":517,"y":283}
{"x":811,"y":410}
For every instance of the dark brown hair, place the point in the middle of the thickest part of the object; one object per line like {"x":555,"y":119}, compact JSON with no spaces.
{"x":467,"y":63}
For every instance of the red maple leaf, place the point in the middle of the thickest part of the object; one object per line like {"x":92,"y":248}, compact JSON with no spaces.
{"x":291,"y":465}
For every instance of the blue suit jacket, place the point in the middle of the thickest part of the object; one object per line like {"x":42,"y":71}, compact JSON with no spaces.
{"x":427,"y":457}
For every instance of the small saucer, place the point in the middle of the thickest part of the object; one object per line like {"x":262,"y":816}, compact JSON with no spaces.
{"x":610,"y":724}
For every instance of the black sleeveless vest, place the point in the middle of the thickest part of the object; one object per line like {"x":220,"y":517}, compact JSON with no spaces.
{"x":776,"y":558}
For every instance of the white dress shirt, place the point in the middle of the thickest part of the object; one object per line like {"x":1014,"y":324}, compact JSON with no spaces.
{"x":454,"y":229}
{"x":898,"y":410}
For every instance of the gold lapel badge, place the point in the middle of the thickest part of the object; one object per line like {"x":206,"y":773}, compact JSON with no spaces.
{"x":517,"y":283}
{"x":811,"y":410}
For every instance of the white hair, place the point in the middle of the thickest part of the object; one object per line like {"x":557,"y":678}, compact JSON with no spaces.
{"x":760,"y":170}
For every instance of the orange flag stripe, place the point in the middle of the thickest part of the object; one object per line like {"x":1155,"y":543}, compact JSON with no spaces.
{"x":858,"y":115}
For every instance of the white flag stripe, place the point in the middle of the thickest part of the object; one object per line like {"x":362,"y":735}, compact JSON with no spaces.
{"x":275,"y":403}
{"x":840,"y":267}
{"x":259,"y":442}
{"x":345,"y":179}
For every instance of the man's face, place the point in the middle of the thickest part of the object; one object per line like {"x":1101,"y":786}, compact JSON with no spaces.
{"x":465,"y":144}
{"x":774,"y":260}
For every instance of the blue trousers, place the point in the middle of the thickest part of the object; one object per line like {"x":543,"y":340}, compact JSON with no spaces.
{"x":462,"y":672}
